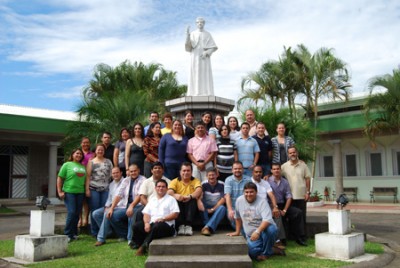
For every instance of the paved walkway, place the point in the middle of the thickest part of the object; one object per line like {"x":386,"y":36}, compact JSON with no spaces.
{"x":381,"y":220}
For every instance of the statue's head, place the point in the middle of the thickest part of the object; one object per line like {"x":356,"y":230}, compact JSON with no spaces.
{"x":200,"y":23}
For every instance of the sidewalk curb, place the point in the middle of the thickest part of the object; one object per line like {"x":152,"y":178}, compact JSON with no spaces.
{"x":381,"y":261}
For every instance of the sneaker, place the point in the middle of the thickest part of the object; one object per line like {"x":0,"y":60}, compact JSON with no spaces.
{"x":205,"y":231}
{"x":121,"y":239}
{"x":181,"y":230}
{"x":188,"y":230}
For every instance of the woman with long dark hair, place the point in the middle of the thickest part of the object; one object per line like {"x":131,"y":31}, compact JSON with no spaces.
{"x":119,"y":150}
{"x":188,"y":124}
{"x":98,"y":178}
{"x":207,"y":119}
{"x":134,"y":153}
{"x":226,"y":154}
{"x":218,"y":123}
{"x":233,"y":124}
{"x":150,"y":147}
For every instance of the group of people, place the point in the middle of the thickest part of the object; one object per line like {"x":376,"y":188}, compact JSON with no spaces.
{"x":156,"y":179}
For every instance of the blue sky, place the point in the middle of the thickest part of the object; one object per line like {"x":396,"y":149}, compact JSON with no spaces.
{"x":48,"y":49}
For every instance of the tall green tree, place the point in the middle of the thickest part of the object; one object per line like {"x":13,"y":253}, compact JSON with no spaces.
{"x":382,"y":110}
{"x":323,"y":75}
{"x":117,"y":97}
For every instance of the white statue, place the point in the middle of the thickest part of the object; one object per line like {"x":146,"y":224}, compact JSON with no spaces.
{"x":201,"y":45}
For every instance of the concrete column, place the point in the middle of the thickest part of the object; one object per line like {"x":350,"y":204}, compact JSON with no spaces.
{"x":53,"y":146}
{"x":337,"y":166}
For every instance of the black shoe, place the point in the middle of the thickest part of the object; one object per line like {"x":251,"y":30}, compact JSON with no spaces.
{"x":301,"y":242}
{"x":133,"y":246}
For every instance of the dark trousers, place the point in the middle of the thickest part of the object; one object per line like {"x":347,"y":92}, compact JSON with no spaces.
{"x":187,"y":212}
{"x":157,"y":230}
{"x":293,"y":221}
{"x":302,"y":205}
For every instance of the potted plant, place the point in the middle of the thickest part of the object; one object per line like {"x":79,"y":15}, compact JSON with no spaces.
{"x":315,"y":197}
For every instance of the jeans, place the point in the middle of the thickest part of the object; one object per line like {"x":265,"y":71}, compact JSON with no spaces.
{"x":266,"y":169}
{"x":100,"y":219}
{"x":97,"y":200}
{"x":248,"y":172}
{"x":263,"y":245}
{"x":212,"y":220}
{"x":131,"y":221}
{"x":73,"y":202}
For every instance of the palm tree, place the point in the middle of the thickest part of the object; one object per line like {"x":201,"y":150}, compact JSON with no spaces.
{"x":382,"y":110}
{"x":324,"y":76}
{"x":263,"y":85}
{"x":118,"y":97}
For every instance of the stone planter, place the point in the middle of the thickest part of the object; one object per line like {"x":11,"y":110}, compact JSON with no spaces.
{"x":319,"y":203}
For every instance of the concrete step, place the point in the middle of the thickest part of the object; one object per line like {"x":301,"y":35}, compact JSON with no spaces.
{"x":199,"y":261}
{"x":217,"y":244}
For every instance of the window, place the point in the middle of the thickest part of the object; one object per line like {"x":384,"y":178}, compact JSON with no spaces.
{"x":396,"y":162}
{"x":327,"y":170}
{"x":376,"y":164}
{"x":350,"y":165}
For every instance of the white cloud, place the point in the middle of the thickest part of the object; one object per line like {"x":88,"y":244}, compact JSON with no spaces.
{"x":71,"y":93}
{"x":81,"y":33}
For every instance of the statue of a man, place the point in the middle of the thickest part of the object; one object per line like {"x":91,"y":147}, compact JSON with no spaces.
{"x":201,"y":45}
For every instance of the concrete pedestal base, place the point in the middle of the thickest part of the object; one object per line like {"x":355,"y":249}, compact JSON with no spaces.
{"x":42,"y":222}
{"x":341,"y":247}
{"x":32,"y":248}
{"x":198,"y":105}
{"x":339,"y":221}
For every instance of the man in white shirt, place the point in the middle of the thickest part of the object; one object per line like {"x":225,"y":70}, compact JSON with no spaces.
{"x":158,"y":218}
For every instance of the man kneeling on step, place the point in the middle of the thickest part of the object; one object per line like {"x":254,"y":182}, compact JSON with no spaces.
{"x":255,"y":215}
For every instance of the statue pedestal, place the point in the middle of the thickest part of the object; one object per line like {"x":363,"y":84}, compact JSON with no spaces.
{"x":42,"y":222}
{"x":339,"y":242}
{"x":339,"y":222}
{"x":41,"y":243}
{"x":199,"y":104}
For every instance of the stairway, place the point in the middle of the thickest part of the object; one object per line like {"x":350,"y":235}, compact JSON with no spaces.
{"x":199,"y":251}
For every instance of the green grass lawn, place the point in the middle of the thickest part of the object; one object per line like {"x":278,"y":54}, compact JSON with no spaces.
{"x":5,"y":210}
{"x":83,"y":253}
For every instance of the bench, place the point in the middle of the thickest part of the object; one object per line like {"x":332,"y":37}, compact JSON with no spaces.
{"x":349,"y":191}
{"x":384,"y":191}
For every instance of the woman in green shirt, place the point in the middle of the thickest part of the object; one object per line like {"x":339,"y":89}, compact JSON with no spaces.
{"x":71,"y":189}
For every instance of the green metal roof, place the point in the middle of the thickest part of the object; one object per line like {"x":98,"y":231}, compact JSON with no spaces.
{"x":35,"y":124}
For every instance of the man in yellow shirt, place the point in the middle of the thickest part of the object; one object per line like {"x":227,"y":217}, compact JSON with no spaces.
{"x":186,"y":189}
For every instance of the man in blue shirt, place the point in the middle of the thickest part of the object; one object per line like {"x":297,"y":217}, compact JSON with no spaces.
{"x":247,"y":149}
{"x":283,"y":196}
{"x":234,"y":186}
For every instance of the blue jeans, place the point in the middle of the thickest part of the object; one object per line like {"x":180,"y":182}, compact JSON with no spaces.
{"x":131,"y":221}
{"x":73,"y":202}
{"x":118,"y":223}
{"x":97,"y":200}
{"x":266,"y":169}
{"x":216,"y":217}
{"x":248,"y":172}
{"x":263,"y":245}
